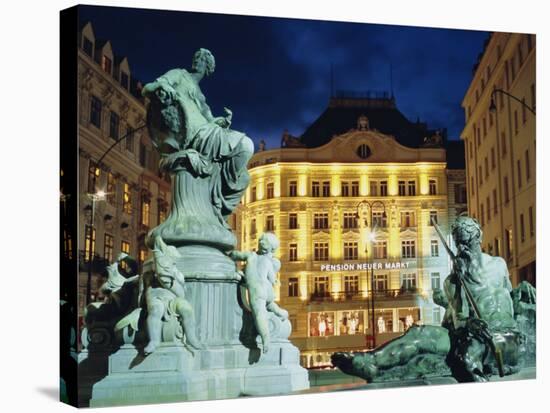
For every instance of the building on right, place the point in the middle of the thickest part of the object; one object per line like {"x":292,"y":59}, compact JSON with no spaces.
{"x":500,"y":142}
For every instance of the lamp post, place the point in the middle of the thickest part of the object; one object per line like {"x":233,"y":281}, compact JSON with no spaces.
{"x":99,"y":195}
{"x":372,"y":238}
{"x":493,"y":106}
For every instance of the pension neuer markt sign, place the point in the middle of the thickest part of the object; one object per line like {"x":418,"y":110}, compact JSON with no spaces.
{"x":387,"y":265}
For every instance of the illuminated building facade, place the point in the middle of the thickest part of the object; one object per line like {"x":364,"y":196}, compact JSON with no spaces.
{"x":500,"y":150}
{"x":137,"y":197}
{"x":359,"y":202}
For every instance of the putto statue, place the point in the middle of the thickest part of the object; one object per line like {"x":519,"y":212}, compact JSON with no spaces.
{"x":260,"y":276}
{"x":480,"y":334}
{"x":193,"y":143}
{"x":165,"y":297}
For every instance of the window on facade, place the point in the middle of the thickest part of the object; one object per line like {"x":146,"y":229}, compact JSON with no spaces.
{"x":480,"y":176}
{"x":435,"y":280}
{"x":345,"y":188}
{"x":533,"y":97}
{"x":93,"y":176}
{"x":270,"y":190}
{"x":142,"y":255}
{"x":472,"y":185}
{"x":522,"y":228}
{"x":354,"y":188}
{"x":513,"y":68}
{"x":293,"y":252}
{"x":508,"y":239}
{"x":471,"y":149}
{"x":320,"y":220}
{"x":270,"y":223}
{"x":482,"y":214}
{"x":87,"y":46}
{"x":351,"y":284}
{"x":293,"y":221}
{"x":523,"y":112}
{"x":408,"y":249}
{"x":495,"y":204}
{"x":401,"y":187}
{"x":379,"y":219}
{"x":114,"y":125}
{"x":486,"y":167}
{"x":516,"y":125}
{"x":106,"y":64}
{"x":145,"y":212}
{"x":350,"y":250}
{"x":124,"y":80}
{"x":531,"y":222}
{"x":433,"y":187}
{"x":434,"y":248}
{"x":129,"y":139}
{"x":293,"y":188}
{"x":408,"y":282}
{"x":125,"y":247}
{"x":161,"y":213}
{"x":506,"y":191}
{"x":95,"y":111}
{"x":527,"y":166}
{"x":383,"y":188}
{"x":408,"y":219}
{"x":142,"y":154}
{"x":253,"y":228}
{"x":520,"y":183}
{"x":320,"y":251}
{"x":460,"y":194}
{"x":381,"y":250}
{"x":315,"y":189}
{"x":89,"y":242}
{"x":433,"y":217}
{"x":412,"y":188}
{"x":373,"y":188}
{"x":108,"y":247}
{"x":253,"y":192}
{"x":321,"y":286}
{"x":127,"y":199}
{"x":380,"y":282}
{"x":488,"y":209}
{"x":293,"y":286}
{"x":529,"y":43}
{"x":350,"y":220}
{"x":326,"y":188}
{"x":493,"y":158}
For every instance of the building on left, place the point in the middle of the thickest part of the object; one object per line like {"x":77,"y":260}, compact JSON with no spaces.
{"x":137,"y":195}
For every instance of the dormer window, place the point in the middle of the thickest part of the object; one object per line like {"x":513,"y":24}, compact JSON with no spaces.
{"x":87,"y":46}
{"x":124,"y":80}
{"x":106,"y":64}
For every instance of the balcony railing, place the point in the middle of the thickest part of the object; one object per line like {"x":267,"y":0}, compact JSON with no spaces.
{"x":358,"y":295}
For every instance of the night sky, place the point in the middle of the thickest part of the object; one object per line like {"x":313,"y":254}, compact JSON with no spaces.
{"x":274,"y":74}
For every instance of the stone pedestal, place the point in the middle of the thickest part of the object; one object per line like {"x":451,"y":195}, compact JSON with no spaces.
{"x":231,"y":365}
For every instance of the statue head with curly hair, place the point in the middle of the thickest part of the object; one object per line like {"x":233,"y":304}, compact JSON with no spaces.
{"x":203,"y":60}
{"x":467,"y":235}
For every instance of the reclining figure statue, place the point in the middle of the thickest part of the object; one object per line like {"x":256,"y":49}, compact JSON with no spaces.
{"x":484,"y":330}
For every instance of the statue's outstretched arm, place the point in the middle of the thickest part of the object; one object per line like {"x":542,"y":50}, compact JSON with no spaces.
{"x":239,"y":255}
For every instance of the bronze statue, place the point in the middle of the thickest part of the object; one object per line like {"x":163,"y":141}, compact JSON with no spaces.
{"x":480,"y":335}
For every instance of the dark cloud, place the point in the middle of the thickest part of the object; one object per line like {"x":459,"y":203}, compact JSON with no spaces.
{"x":275,"y":73}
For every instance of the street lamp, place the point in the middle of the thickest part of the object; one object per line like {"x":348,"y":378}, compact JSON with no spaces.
{"x":99,"y":195}
{"x":493,"y":106}
{"x":372,"y":239}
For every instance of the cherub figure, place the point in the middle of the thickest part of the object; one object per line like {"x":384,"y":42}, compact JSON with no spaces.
{"x":260,"y":276}
{"x":165,"y":297}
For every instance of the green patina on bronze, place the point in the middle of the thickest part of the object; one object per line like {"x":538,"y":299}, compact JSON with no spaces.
{"x":488,"y":327}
